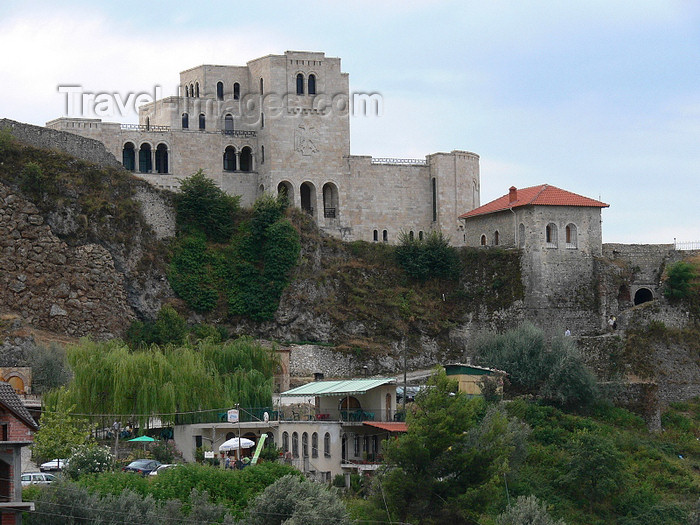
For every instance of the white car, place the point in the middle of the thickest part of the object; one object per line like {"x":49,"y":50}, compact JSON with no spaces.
{"x":37,"y":478}
{"x":160,"y":469}
{"x":53,"y":465}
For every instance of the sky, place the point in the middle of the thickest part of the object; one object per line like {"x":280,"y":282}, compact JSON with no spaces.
{"x":601,"y":98}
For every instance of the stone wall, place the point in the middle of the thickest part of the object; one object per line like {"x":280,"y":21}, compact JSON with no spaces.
{"x":81,"y":147}
{"x":71,"y":290}
{"x":158,"y":209}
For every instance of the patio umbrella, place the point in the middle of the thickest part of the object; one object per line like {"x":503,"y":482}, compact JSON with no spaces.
{"x":233,"y":444}
{"x":143,"y":439}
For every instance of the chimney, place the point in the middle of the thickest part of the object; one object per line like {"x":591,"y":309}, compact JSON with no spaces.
{"x":512,"y":194}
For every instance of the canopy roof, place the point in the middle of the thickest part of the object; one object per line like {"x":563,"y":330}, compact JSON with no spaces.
{"x":348,"y":387}
{"x":388,"y":426}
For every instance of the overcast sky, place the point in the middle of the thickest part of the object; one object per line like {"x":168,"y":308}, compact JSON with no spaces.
{"x":601,"y":98}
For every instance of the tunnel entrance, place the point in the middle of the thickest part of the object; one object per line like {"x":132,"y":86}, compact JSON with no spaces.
{"x":643,"y":295}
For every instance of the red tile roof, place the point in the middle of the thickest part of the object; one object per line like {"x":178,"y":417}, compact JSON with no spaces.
{"x":543,"y":195}
{"x":390,"y":426}
{"x":11,"y":401}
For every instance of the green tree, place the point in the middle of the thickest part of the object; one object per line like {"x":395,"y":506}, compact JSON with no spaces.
{"x":432,"y":257}
{"x":59,"y":433}
{"x":202,"y":206}
{"x":680,"y":281}
{"x":527,"y":510}
{"x":551,"y":369}
{"x":295,"y":501}
{"x":452,"y":457}
{"x":49,"y":368}
{"x":89,"y":458}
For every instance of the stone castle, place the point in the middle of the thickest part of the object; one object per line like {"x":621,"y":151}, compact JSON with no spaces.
{"x":281,"y":123}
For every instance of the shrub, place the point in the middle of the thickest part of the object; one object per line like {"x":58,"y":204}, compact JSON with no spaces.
{"x":680,"y":282}
{"x":202,"y":206}
{"x":49,"y":368}
{"x":32,"y":179}
{"x":527,"y":510}
{"x":164,"y":451}
{"x":432,"y":257}
{"x":89,"y":459}
{"x":190,"y":273}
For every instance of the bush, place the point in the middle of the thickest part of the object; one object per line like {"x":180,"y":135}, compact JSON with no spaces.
{"x":527,"y":510}
{"x":202,"y":206}
{"x":680,"y":282}
{"x":432,"y":257}
{"x":32,"y":179}
{"x":164,"y":451}
{"x":49,"y":368}
{"x":89,"y":459}
{"x":190,"y":273}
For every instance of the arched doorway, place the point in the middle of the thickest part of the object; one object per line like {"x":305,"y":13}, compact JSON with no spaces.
{"x":285,"y":188}
{"x":246,"y":159}
{"x":643,"y":295}
{"x":145,"y":159}
{"x":162,"y":158}
{"x":129,"y":156}
{"x":307,"y":192}
{"x":230,"y":158}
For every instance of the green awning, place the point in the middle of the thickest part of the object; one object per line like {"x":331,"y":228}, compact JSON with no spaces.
{"x":349,"y":387}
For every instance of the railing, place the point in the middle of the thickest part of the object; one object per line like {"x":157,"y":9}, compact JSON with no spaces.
{"x":329,"y":213}
{"x":690,"y":245}
{"x":142,"y":127}
{"x":404,"y":162}
{"x":238,"y":132}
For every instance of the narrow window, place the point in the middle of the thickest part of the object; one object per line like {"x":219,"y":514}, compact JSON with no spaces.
{"x":571,"y":236}
{"x":196,"y":90}
{"x":162,"y":158}
{"x":434,"y":200}
{"x":129,"y":157}
{"x":187,"y":91}
{"x":300,"y":84}
{"x":410,"y":235}
{"x":185,"y":121}
{"x":285,"y":442}
{"x":312,"y":84}
{"x":236,"y":91}
{"x":230,"y":158}
{"x":295,"y":444}
{"x":551,"y":235}
{"x":305,"y":445}
{"x":262,"y":85}
{"x":262,"y":154}
{"x":420,"y":236}
{"x":357,"y":445}
{"x":495,"y":238}
{"x":327,"y":445}
{"x":228,"y":124}
{"x":262,"y":120}
{"x":376,"y":236}
{"x":220,"y":90}
{"x":314,"y":445}
{"x":192,"y":90}
{"x":145,"y":159}
{"x":483,"y":240}
{"x":385,"y":236}
{"x":202,"y":121}
{"x":246,"y":159}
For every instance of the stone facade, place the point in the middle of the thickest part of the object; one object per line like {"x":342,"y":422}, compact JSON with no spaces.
{"x":282,"y":124}
{"x":71,"y":290}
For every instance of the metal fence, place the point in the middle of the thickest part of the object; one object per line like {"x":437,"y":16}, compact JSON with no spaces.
{"x":686,"y":245}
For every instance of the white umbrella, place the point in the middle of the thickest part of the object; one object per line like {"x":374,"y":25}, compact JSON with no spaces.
{"x":232,"y":444}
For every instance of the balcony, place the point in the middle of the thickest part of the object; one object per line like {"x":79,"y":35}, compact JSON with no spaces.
{"x":238,"y":133}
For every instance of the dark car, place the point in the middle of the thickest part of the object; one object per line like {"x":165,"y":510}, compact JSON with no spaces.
{"x":142,"y":466}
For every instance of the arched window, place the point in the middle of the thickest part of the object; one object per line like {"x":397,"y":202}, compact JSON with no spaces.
{"x":295,"y":444}
{"x":571,"y":237}
{"x":434,"y":188}
{"x":246,"y":159}
{"x":285,"y":188}
{"x":312,"y":84}
{"x":192,"y":90}
{"x":202,"y":121}
{"x":187,"y":91}
{"x":220,"y":90}
{"x":410,"y":235}
{"x":228,"y":124}
{"x":483,"y":240}
{"x":145,"y":160}
{"x":521,"y":235}
{"x":262,"y":85}
{"x":300,"y":84}
{"x":285,"y":442}
{"x":495,"y":238}
{"x":304,"y":445}
{"x":327,"y":445}
{"x":262,"y":120}
{"x":185,"y":121}
{"x":385,"y":236}
{"x":162,"y":158}
{"x":314,"y":445}
{"x":262,"y":154}
{"x":307,"y":192}
{"x":420,"y":236}
{"x":129,"y":156}
{"x":196,"y":90}
{"x":551,"y":235}
{"x":330,"y":200}
{"x":375,"y":236}
{"x":236,"y":91}
{"x":230,"y":158}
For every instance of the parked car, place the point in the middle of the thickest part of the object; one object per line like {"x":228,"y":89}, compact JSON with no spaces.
{"x":37,"y":478}
{"x":163,"y":467}
{"x":142,"y":466}
{"x":53,"y":465}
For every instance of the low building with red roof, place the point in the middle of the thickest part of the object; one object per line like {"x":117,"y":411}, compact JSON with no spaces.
{"x":537,"y":218}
